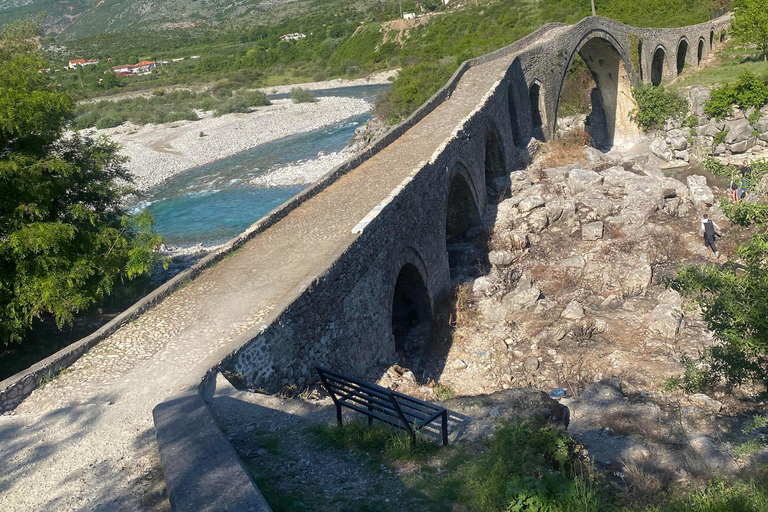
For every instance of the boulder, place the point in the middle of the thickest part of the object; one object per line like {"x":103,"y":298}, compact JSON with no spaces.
{"x":701,"y":194}
{"x":525,"y":294}
{"x":592,"y":231}
{"x":761,"y":125}
{"x":738,"y":131}
{"x":537,"y":220}
{"x":661,"y":150}
{"x":637,"y":277}
{"x":697,"y":97}
{"x":712,"y":128}
{"x":523,"y":404}
{"x":573,"y":264}
{"x":518,"y":239}
{"x":682,"y":155}
{"x":743,"y":146}
{"x":679,"y":143}
{"x":719,"y":149}
{"x":482,"y":285}
{"x":664,"y":322}
{"x":580,"y":180}
{"x":500,"y":258}
{"x":529,"y":203}
{"x":573,"y":311}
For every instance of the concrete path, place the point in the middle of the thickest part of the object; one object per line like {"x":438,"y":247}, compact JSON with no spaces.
{"x":85,"y":441}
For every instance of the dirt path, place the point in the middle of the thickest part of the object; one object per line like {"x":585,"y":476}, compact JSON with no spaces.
{"x":86,"y":441}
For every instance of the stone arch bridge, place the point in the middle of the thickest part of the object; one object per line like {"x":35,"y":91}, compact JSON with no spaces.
{"x":345,"y":275}
{"x":376,"y":299}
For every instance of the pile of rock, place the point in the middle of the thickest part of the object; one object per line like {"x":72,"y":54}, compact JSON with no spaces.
{"x":737,"y":135}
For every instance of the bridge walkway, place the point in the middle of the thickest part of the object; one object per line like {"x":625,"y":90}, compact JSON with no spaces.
{"x":85,"y":441}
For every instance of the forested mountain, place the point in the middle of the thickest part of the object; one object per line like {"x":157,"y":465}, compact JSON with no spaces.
{"x":73,"y":19}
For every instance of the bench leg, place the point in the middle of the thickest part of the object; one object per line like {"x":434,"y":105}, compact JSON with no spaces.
{"x":370,"y":418}
{"x":445,"y":428}
{"x":338,"y":414}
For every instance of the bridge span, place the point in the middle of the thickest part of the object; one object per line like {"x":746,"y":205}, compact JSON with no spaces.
{"x":345,"y":276}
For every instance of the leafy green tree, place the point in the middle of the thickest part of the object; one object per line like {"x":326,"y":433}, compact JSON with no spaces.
{"x":733,"y":302}
{"x":64,"y":240}
{"x":750,"y":24}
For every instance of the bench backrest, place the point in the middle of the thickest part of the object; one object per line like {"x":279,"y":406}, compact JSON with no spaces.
{"x":366,"y":397}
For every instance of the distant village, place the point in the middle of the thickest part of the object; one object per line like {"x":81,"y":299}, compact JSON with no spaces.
{"x":147,"y":66}
{"x":140,"y":68}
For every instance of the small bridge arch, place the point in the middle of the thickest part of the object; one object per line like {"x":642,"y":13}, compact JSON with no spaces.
{"x":682,"y":54}
{"x":659,"y":65}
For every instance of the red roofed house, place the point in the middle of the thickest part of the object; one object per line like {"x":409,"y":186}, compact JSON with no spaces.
{"x":82,"y":62}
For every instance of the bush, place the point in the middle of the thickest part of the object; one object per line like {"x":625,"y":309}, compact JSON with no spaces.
{"x":299,"y":95}
{"x":655,"y":105}
{"x":109,"y":121}
{"x":749,"y":91}
{"x":158,"y":92}
{"x":84,"y":121}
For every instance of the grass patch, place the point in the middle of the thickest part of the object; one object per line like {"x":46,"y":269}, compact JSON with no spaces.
{"x":380,"y":441}
{"x":731,"y":62}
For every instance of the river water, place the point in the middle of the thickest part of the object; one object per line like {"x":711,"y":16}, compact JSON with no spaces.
{"x":212,"y":203}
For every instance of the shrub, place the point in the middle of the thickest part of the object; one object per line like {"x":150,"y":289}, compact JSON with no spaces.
{"x":719,"y":138}
{"x":109,"y":121}
{"x":158,"y":92}
{"x":655,"y":105}
{"x":749,"y":91}
{"x":84,"y":121}
{"x":299,"y":95}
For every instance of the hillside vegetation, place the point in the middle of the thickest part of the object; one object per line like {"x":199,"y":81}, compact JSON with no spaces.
{"x":342,"y":39}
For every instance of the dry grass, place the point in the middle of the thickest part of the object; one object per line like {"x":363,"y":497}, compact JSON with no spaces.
{"x":577,"y":372}
{"x":566,"y":150}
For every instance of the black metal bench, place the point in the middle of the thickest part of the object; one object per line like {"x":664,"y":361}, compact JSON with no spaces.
{"x":385,"y":405}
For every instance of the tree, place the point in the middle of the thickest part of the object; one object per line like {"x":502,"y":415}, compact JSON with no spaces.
{"x":750,"y":24}
{"x":64,"y":239}
{"x":733,"y":303}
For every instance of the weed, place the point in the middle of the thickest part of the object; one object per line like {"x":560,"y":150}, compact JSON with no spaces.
{"x":267,"y":440}
{"x":747,"y":448}
{"x":583,"y":332}
{"x":237,"y":379}
{"x":631,"y":292}
{"x":756,"y":422}
{"x":443,"y":392}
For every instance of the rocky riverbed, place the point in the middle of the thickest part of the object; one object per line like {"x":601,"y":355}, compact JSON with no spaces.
{"x":159,"y":152}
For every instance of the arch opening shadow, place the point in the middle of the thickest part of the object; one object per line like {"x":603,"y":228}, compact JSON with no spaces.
{"x":682,"y":54}
{"x":608,"y":123}
{"x":461,"y":214}
{"x":711,"y":39}
{"x":513,"y":113}
{"x":537,"y":111}
{"x":657,"y":66}
{"x":494,"y":163}
{"x":722,"y":36}
{"x":700,"y":52}
{"x":640,"y":59}
{"x":411,"y":315}
{"x":462,"y":224}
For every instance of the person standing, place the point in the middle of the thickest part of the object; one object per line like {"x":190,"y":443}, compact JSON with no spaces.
{"x":710,"y":232}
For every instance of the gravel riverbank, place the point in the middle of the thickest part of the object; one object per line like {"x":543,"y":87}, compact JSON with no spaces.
{"x":159,"y":152}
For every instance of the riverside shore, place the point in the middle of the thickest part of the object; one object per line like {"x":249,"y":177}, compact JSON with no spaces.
{"x":159,"y":152}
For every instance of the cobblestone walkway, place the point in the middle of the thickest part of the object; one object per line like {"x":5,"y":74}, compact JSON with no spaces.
{"x":85,"y":441}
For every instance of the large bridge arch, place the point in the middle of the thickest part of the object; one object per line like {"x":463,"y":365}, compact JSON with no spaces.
{"x":609,"y":63}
